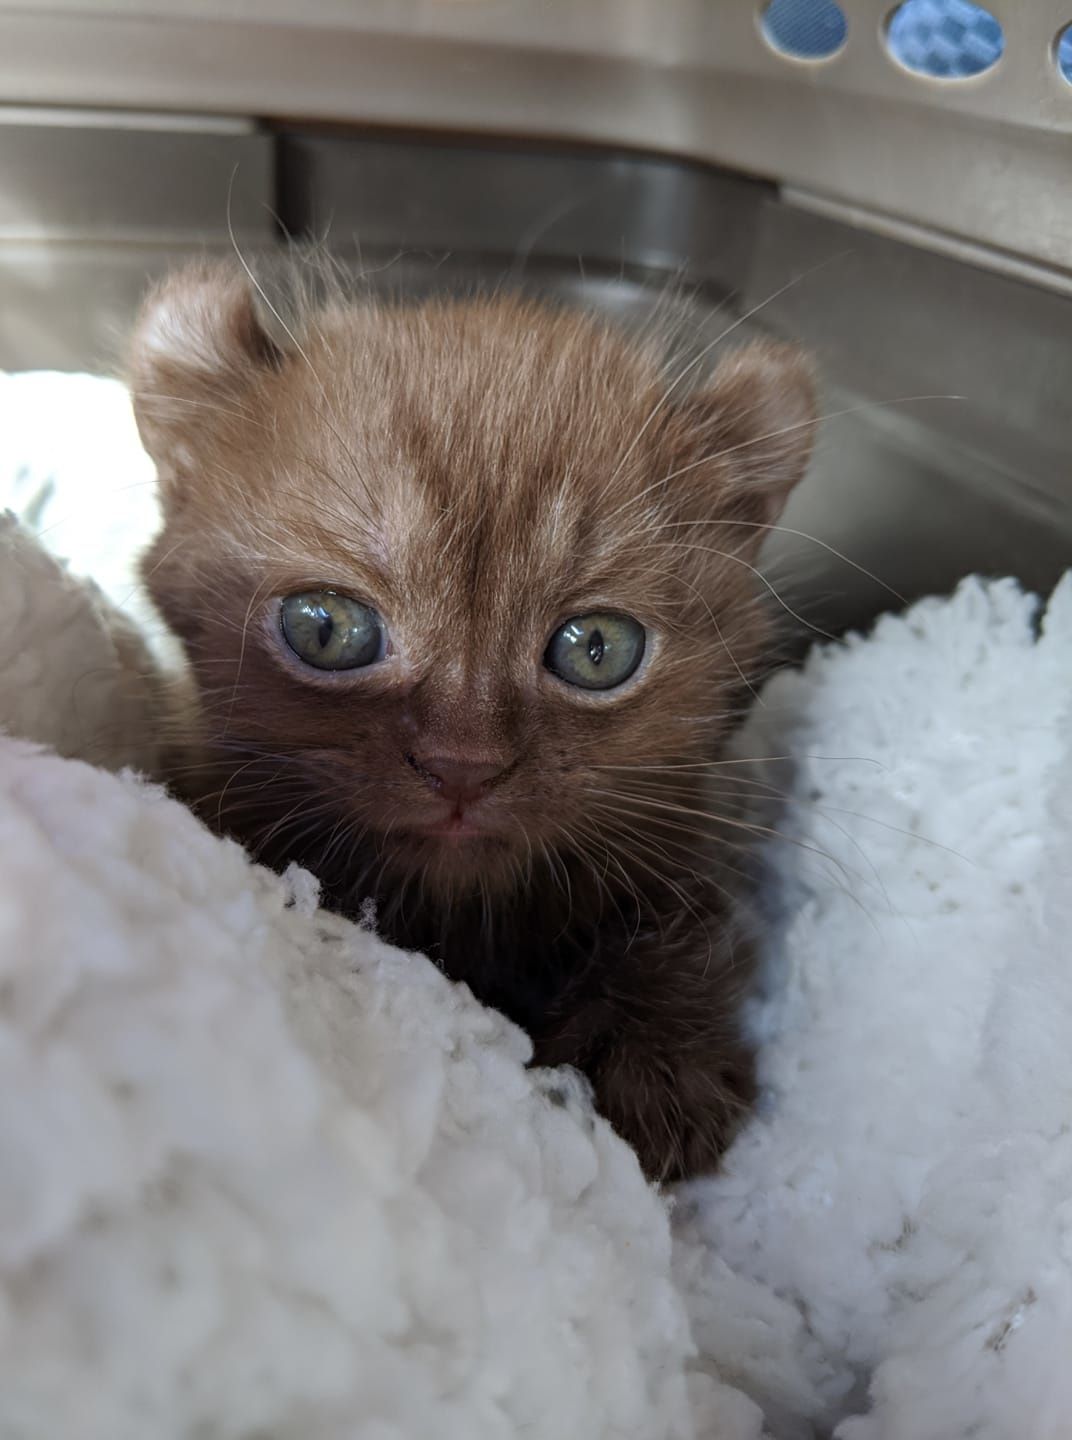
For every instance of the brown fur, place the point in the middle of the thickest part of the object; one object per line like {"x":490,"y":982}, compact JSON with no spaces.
{"x":480,"y":471}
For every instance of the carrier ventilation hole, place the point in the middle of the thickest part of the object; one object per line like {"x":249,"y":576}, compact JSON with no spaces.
{"x":1063,"y":52}
{"x":805,"y":29}
{"x":944,"y":39}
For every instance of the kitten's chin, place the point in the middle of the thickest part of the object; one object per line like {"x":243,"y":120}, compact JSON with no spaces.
{"x":454,"y":858}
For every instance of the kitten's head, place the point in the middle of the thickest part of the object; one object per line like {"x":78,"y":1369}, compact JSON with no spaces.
{"x":457,"y":580}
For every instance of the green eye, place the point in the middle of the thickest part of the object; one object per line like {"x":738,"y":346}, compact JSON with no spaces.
{"x":332,"y":632}
{"x":596,"y":652}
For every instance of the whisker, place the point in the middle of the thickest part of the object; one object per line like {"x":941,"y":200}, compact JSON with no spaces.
{"x":800,"y":535}
{"x":699,"y":358}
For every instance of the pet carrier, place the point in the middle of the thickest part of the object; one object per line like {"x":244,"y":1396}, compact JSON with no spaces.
{"x":889,"y":185}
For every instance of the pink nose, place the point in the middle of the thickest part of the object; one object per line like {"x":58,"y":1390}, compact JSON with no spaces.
{"x":458,"y":778}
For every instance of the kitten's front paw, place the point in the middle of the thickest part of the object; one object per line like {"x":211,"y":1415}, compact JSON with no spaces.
{"x":678,"y":1111}
{"x":678,"y":1105}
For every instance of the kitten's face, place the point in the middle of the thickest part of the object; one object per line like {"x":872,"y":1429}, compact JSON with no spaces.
{"x":456,"y":581}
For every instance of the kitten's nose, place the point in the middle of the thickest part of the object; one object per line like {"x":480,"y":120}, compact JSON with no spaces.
{"x":458,"y":778}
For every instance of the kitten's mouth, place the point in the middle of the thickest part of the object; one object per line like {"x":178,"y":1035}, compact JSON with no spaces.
{"x":460,"y":829}
{"x":455,"y":829}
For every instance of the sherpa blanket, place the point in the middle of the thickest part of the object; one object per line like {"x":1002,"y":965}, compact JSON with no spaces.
{"x":262,"y":1176}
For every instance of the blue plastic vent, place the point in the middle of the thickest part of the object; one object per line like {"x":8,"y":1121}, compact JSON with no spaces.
{"x":1064,"y":53}
{"x":947,"y":39}
{"x":805,"y":29}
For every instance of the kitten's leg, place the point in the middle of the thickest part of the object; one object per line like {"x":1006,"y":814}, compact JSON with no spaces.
{"x":658,"y":1035}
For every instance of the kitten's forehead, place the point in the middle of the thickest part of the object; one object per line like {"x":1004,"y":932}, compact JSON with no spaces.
{"x":490,"y":450}
{"x":498,"y":381}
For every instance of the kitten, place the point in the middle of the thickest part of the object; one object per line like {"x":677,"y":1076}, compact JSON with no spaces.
{"x":467,"y":590}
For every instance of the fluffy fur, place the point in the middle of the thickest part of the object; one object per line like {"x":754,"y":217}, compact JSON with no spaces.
{"x":480,"y":472}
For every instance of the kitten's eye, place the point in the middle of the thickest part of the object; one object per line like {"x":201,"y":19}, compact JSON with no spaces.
{"x":596,"y":652}
{"x":332,"y":632}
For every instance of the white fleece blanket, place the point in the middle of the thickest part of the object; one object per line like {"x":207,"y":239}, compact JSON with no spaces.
{"x":261,"y":1176}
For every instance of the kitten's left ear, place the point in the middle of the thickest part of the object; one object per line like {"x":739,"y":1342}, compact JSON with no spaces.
{"x":749,"y":431}
{"x":198,"y":349}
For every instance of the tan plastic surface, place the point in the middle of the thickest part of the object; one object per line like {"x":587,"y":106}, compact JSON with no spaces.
{"x":988,"y":159}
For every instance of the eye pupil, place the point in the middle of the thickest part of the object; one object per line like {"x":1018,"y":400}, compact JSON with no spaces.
{"x":599,"y":651}
{"x":331,"y":631}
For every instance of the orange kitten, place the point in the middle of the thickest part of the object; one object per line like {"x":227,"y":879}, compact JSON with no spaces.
{"x":467,"y":591}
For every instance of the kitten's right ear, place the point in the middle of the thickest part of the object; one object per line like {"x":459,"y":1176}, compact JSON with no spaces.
{"x":198,"y":345}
